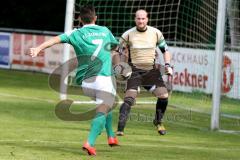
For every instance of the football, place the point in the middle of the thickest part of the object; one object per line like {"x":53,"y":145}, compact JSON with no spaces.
{"x":122,"y":71}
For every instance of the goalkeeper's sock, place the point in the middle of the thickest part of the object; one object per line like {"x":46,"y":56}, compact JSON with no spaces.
{"x":124,"y":112}
{"x":96,"y":127}
{"x":161,"y":106}
{"x":108,"y":125}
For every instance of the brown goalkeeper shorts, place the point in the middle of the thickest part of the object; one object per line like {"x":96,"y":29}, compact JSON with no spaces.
{"x":144,"y":78}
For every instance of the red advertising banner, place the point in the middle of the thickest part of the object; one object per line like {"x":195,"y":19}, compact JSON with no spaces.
{"x":28,"y":42}
{"x":17,"y":49}
{"x":21,"y":45}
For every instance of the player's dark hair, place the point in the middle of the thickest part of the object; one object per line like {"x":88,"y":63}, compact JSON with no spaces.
{"x":87,"y":13}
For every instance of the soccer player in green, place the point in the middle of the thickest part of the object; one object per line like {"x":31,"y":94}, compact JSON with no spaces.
{"x":90,"y":41}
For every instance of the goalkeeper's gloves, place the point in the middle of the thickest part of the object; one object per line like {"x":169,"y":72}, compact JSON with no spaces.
{"x":122,"y":70}
{"x":168,"y":69}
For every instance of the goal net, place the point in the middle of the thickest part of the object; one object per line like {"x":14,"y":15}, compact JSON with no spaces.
{"x":186,"y":22}
{"x":189,"y":27}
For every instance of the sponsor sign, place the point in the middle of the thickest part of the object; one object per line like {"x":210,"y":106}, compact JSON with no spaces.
{"x":5,"y":45}
{"x":194,"y":71}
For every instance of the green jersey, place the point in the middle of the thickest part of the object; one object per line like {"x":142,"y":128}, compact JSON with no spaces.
{"x":90,"y":44}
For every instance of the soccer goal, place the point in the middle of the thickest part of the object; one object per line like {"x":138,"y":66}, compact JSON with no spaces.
{"x":190,"y":28}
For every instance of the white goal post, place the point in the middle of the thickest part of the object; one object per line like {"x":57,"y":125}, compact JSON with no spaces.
{"x":218,"y":64}
{"x":66,"y":51}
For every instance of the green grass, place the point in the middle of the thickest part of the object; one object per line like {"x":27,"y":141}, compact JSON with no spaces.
{"x":29,"y":129}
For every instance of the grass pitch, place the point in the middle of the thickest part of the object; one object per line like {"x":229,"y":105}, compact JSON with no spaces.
{"x":30,"y":130}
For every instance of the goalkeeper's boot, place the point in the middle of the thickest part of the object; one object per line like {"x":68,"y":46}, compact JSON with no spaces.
{"x":161,"y":129}
{"x":119,"y":133}
{"x":112,"y":141}
{"x":89,"y":149}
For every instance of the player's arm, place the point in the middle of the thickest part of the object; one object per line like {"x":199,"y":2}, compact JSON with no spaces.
{"x":118,"y":49}
{"x":124,"y":48}
{"x":167,"y":60}
{"x":36,"y":50}
{"x":120,"y":55}
{"x":166,"y":56}
{"x":115,"y":57}
{"x":120,"y":59}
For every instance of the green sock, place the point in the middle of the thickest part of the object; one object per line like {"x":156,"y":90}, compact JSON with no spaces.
{"x":96,"y":127}
{"x":108,"y":125}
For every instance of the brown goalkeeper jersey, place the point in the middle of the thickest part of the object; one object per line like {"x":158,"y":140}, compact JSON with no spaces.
{"x":142,"y":46}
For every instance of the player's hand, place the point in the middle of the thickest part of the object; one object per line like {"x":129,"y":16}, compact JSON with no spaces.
{"x":168,"y":69}
{"x":33,"y":52}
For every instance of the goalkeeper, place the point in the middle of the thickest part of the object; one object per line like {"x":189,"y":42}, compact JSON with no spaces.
{"x":89,"y":41}
{"x":142,"y":41}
